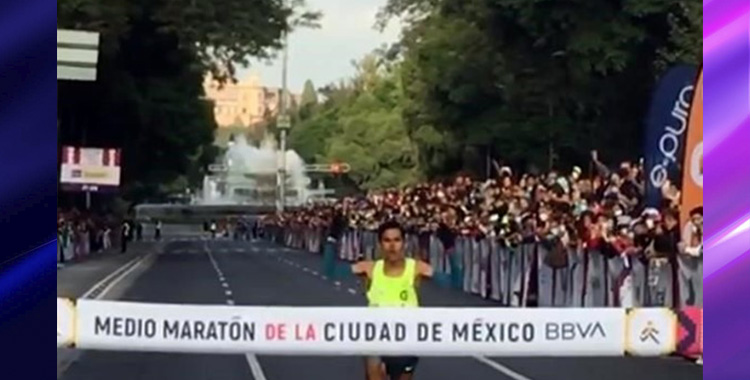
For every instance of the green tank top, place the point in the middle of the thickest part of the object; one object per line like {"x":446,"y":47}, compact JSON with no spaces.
{"x":388,"y":291}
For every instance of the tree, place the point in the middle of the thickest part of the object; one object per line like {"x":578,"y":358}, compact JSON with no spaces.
{"x":309,"y":95}
{"x":361,"y":123}
{"x":538,"y":82}
{"x":148,"y":95}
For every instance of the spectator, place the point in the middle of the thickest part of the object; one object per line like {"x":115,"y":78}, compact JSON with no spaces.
{"x":124,"y":236}
{"x":562,"y":209}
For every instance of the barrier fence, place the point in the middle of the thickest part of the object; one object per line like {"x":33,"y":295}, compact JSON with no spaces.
{"x":531,"y":274}
{"x":125,"y":326}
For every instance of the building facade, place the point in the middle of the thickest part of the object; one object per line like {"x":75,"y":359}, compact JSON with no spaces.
{"x":245,"y":104}
{"x":239,"y":105}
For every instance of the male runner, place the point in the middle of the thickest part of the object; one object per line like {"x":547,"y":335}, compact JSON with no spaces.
{"x":392,"y":281}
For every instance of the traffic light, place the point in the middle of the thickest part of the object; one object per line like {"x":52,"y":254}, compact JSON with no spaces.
{"x":336,"y":168}
{"x":340,"y":168}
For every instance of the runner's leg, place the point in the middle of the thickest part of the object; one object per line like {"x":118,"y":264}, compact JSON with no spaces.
{"x":373,"y":368}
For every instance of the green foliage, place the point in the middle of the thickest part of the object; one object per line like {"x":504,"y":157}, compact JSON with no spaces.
{"x":535,"y":81}
{"x":361,"y":123}
{"x":309,"y":94}
{"x":148,"y":96}
{"x":532,"y":83}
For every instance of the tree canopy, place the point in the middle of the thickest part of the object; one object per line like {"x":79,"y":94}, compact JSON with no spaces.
{"x":360,"y":123}
{"x":536,"y":82}
{"x":530,"y":83}
{"x":533,"y":84}
{"x":148,"y":98}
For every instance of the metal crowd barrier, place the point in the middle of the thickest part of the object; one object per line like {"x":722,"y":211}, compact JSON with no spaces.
{"x":521,"y":276}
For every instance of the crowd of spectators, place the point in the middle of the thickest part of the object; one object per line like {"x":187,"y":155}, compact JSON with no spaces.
{"x":603,"y":210}
{"x":83,"y":232}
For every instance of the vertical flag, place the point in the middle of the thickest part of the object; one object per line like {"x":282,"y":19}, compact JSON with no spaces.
{"x":666,"y":127}
{"x":692,"y":177}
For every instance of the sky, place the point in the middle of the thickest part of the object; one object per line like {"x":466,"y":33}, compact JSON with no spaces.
{"x":324,"y":55}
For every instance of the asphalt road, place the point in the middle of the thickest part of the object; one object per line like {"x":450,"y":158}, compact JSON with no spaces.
{"x":260,"y":273}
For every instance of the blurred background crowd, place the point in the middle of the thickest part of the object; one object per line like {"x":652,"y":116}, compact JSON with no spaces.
{"x":603,"y":209}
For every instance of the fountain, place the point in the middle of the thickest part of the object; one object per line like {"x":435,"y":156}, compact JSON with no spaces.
{"x":248,"y":176}
{"x":243,"y":182}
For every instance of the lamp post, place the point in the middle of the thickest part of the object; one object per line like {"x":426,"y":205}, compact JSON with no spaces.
{"x":283,"y":123}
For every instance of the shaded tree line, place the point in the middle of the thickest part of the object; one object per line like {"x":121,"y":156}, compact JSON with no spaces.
{"x":148,"y":97}
{"x":533,"y":84}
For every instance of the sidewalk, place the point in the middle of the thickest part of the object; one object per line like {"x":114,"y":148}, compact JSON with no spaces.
{"x":75,"y":278}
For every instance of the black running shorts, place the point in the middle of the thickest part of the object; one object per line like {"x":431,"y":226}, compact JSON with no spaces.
{"x":395,"y":366}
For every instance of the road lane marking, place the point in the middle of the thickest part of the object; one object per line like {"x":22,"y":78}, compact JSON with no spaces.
{"x":228,"y":293}
{"x":337,"y":283}
{"x":110,"y":276}
{"x":119,"y":278}
{"x":230,"y":302}
{"x":224,"y":284}
{"x":255,"y":367}
{"x":352,"y":291}
{"x":501,"y":368}
{"x":314,"y":273}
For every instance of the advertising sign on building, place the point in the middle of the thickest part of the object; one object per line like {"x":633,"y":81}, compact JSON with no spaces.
{"x":90,"y":169}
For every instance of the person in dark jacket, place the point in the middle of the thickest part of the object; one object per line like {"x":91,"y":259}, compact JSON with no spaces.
{"x":125,"y":233}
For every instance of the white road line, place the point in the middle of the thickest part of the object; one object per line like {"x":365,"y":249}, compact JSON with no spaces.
{"x":314,"y":273}
{"x":109,"y":276}
{"x":324,"y":277}
{"x":305,"y":270}
{"x":352,"y":291}
{"x":337,"y":283}
{"x":228,"y":292}
{"x":501,"y":368}
{"x":224,"y":284}
{"x":119,"y":278}
{"x":255,"y":367}
{"x":230,"y":302}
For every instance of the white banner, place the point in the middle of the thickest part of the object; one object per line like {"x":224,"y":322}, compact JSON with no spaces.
{"x":90,"y":166}
{"x":122,"y":326}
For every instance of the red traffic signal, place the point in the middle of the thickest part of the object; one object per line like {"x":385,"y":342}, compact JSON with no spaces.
{"x":339,"y":168}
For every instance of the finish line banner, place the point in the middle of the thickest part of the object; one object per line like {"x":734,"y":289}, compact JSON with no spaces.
{"x":341,"y":331}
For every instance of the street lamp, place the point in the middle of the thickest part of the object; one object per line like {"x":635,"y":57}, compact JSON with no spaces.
{"x":283,"y":123}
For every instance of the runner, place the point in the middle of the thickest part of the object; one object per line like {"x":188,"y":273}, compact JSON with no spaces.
{"x":392,"y":281}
